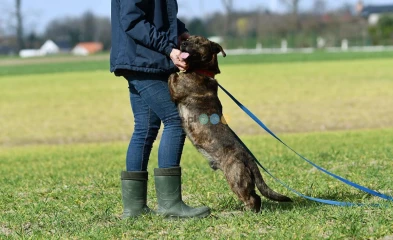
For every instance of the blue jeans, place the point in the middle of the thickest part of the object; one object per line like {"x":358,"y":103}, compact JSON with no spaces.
{"x":151,"y":104}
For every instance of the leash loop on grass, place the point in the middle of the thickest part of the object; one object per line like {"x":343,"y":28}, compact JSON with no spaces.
{"x":346,"y":181}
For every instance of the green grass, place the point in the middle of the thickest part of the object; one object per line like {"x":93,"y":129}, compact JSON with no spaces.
{"x":99,"y":62}
{"x":56,"y":67}
{"x":288,"y":97}
{"x":73,"y":191}
{"x":65,"y":127}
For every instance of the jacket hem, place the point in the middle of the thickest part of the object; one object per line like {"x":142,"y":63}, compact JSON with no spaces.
{"x":122,"y":70}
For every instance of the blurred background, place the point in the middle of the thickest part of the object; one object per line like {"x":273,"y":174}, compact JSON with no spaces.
{"x":264,"y":26}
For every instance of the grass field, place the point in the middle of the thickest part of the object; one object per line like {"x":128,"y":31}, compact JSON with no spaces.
{"x":64,"y":132}
{"x":99,"y":62}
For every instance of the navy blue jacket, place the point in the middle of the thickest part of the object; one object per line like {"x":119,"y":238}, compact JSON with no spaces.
{"x":144,"y":32}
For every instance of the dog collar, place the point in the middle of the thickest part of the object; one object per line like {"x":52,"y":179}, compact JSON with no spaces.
{"x":205,"y":73}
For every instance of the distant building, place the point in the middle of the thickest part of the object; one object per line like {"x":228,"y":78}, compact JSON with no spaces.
{"x":87,"y":48}
{"x":48,"y":48}
{"x":29,"y":53}
{"x":373,"y":12}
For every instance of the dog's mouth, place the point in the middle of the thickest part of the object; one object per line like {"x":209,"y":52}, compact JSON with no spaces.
{"x":184,"y":55}
{"x":190,"y":56}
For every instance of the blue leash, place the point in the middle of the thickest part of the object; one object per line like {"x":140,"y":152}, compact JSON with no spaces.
{"x":352,"y":184}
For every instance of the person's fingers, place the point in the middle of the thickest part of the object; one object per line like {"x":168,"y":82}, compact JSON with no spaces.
{"x":181,"y":65}
{"x":175,"y":55}
{"x":177,"y":60}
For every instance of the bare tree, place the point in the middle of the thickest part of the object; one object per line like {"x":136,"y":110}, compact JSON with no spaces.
{"x":294,"y":6}
{"x":89,"y":26}
{"x":104,"y":31}
{"x":65,"y":29}
{"x":2,"y":27}
{"x":72,"y":30}
{"x":19,"y":23}
{"x":319,"y":7}
{"x":228,"y":5}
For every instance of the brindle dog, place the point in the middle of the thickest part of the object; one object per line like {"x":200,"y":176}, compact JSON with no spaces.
{"x":195,"y":93}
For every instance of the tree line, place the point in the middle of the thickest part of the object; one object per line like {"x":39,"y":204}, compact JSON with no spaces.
{"x":85,"y":28}
{"x":300,"y":28}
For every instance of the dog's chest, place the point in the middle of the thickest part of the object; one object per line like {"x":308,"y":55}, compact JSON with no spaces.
{"x":189,"y":118}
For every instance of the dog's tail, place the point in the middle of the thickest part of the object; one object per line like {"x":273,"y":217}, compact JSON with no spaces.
{"x":265,"y":190}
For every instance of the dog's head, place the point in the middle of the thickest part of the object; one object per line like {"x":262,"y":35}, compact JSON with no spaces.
{"x":201,"y":53}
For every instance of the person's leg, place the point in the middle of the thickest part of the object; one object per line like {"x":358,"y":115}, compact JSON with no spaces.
{"x":134,"y":179}
{"x":155,"y":96}
{"x":146,"y":126}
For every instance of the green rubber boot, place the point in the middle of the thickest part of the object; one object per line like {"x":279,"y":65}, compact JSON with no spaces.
{"x":170,"y":203}
{"x":134,"y":193}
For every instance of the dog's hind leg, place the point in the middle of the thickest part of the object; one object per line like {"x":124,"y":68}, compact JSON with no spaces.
{"x":249,"y":197}
{"x":242,"y":184}
{"x":255,"y":201}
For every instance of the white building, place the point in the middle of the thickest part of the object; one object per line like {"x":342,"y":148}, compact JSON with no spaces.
{"x":48,"y":48}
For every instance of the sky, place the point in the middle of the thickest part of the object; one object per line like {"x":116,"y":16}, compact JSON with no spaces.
{"x":40,"y":12}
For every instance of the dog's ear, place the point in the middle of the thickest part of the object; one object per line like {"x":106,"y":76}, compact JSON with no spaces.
{"x":217,"y":48}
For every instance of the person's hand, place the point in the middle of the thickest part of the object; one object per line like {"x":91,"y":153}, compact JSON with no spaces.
{"x":177,"y":60}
